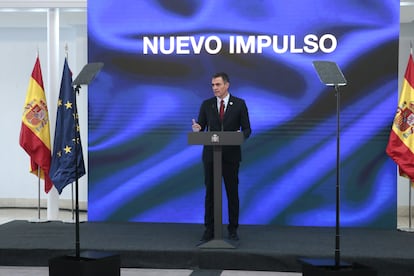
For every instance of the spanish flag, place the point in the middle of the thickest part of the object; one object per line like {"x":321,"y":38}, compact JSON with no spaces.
{"x":401,"y":141}
{"x":35,"y":132}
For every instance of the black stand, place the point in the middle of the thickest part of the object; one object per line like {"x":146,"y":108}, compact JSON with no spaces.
{"x":217,"y":140}
{"x":88,"y":262}
{"x":330,"y":74}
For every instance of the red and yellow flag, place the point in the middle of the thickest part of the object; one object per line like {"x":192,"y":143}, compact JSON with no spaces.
{"x":401,"y":142}
{"x":35,"y":132}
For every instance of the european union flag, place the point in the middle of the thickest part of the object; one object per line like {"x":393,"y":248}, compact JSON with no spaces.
{"x":67,"y":158}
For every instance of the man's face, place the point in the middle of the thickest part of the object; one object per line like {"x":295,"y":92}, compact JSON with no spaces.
{"x":220,"y":88}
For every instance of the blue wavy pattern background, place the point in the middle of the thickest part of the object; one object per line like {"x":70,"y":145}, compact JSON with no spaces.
{"x":140,"y":109}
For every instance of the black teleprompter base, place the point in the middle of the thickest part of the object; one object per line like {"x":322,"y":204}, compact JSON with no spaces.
{"x":88,"y":263}
{"x":327,"y":267}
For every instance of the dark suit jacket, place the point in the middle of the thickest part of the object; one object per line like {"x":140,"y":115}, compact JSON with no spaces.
{"x":236,"y":118}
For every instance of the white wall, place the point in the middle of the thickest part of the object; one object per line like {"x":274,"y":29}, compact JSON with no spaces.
{"x":19,"y":44}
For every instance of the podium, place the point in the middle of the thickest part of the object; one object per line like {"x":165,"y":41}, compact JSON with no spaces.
{"x":217,"y":139}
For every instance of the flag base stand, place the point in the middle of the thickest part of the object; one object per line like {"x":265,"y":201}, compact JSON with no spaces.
{"x":327,"y":267}
{"x":406,"y":229}
{"x":69,"y":221}
{"x":38,"y":220}
{"x":88,"y":263}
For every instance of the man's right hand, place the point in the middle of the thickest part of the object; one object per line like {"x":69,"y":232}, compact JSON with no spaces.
{"x":195,"y":126}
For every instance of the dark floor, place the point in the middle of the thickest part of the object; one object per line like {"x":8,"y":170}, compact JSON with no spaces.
{"x":152,"y":245}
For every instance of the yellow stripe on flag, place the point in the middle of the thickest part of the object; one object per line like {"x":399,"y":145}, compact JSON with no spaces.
{"x":404,"y":120}
{"x":35,"y":115}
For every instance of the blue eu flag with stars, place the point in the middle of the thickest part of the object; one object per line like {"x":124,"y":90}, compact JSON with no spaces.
{"x":67,"y":157}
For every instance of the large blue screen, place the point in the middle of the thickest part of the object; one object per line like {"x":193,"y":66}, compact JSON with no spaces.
{"x":159,"y":57}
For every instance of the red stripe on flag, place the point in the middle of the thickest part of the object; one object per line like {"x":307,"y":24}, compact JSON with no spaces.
{"x":39,"y":154}
{"x":401,"y":154}
{"x":37,"y":73}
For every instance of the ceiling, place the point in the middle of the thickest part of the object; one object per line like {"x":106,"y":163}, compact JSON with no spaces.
{"x":406,"y":11}
{"x":73,"y":12}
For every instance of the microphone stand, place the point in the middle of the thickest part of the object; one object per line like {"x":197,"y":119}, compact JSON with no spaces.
{"x":77,"y":232}
{"x":330,"y":74}
{"x":338,"y":162}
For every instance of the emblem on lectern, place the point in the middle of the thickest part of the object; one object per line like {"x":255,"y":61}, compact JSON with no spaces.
{"x":215,"y":138}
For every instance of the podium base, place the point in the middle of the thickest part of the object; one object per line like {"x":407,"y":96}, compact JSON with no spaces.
{"x":88,"y":263}
{"x":218,"y":244}
{"x":327,"y":267}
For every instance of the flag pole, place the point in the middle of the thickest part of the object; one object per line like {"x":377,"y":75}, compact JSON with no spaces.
{"x":409,"y":228}
{"x":76,"y":158}
{"x":73,"y":208}
{"x":76,"y":145}
{"x":38,"y":198}
{"x":409,"y":203}
{"x":76,"y":164}
{"x":77,"y":234}
{"x":72,"y":199}
{"x":38,"y":193}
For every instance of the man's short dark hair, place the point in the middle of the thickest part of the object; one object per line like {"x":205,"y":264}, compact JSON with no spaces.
{"x":222,"y":75}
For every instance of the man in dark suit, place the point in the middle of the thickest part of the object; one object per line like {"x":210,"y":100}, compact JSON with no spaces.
{"x":223,"y":112}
